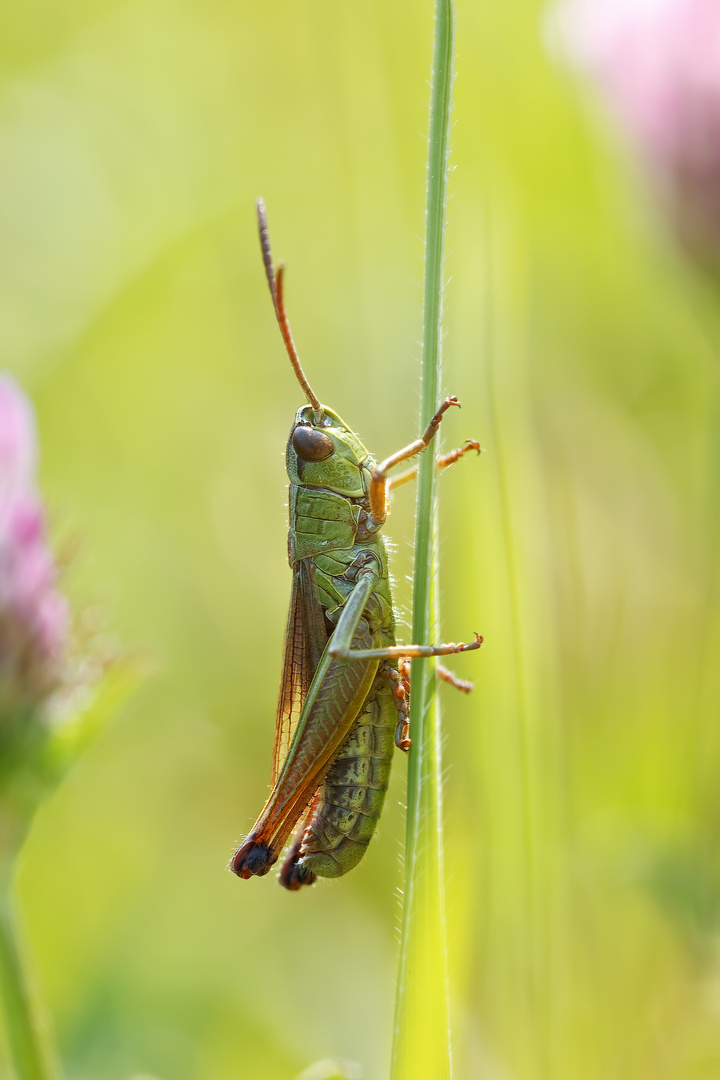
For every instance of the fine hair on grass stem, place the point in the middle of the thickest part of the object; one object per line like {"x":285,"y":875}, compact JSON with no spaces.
{"x":421,"y":1031}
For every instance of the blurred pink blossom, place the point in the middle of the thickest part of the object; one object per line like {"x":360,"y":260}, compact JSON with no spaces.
{"x":657,"y":62}
{"x":33,"y":615}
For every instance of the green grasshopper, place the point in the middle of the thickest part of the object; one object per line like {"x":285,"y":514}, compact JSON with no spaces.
{"x":343,"y":706}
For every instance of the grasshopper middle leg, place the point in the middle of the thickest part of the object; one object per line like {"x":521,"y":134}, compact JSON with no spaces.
{"x":396,"y":652}
{"x":399,"y":678}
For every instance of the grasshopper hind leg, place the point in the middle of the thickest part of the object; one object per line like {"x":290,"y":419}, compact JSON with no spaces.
{"x":294,"y":874}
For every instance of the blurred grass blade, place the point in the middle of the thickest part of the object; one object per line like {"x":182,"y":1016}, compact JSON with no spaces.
{"x":22,"y":1030}
{"x":331,"y":1069}
{"x":421,"y":1034}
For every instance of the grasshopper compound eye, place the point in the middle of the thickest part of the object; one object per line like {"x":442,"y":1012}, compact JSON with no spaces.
{"x":311,"y":444}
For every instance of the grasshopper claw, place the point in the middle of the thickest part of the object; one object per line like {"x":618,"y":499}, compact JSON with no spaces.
{"x":293,"y":876}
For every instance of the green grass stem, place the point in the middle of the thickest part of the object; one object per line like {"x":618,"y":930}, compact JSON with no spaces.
{"x":421,"y":1034}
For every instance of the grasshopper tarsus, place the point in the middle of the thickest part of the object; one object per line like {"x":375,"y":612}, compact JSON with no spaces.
{"x":449,"y":677}
{"x":452,"y":456}
{"x":434,"y":424}
{"x":293,"y":876}
{"x":402,"y":737}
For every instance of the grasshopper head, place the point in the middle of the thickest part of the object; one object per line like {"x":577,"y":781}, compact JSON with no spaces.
{"x":324,"y":452}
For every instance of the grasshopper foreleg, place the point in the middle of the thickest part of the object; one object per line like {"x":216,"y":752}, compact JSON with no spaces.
{"x":379,"y":482}
{"x":443,"y":462}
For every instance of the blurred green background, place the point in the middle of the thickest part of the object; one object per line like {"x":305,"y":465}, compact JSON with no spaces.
{"x":582,"y":793}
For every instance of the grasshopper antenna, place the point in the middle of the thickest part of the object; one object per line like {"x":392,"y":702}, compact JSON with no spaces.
{"x":275,"y":281}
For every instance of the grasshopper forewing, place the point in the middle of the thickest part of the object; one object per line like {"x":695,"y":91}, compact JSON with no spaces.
{"x":342,"y":706}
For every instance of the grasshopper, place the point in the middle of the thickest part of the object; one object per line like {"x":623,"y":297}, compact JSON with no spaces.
{"x":343,"y":705}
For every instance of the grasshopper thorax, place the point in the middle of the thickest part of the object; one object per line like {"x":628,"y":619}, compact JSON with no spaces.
{"x":324,"y":452}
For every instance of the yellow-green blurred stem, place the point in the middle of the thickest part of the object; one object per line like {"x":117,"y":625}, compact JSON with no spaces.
{"x":21,"y":1030}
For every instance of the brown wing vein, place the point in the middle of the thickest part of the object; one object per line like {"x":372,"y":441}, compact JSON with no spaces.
{"x":305,"y":639}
